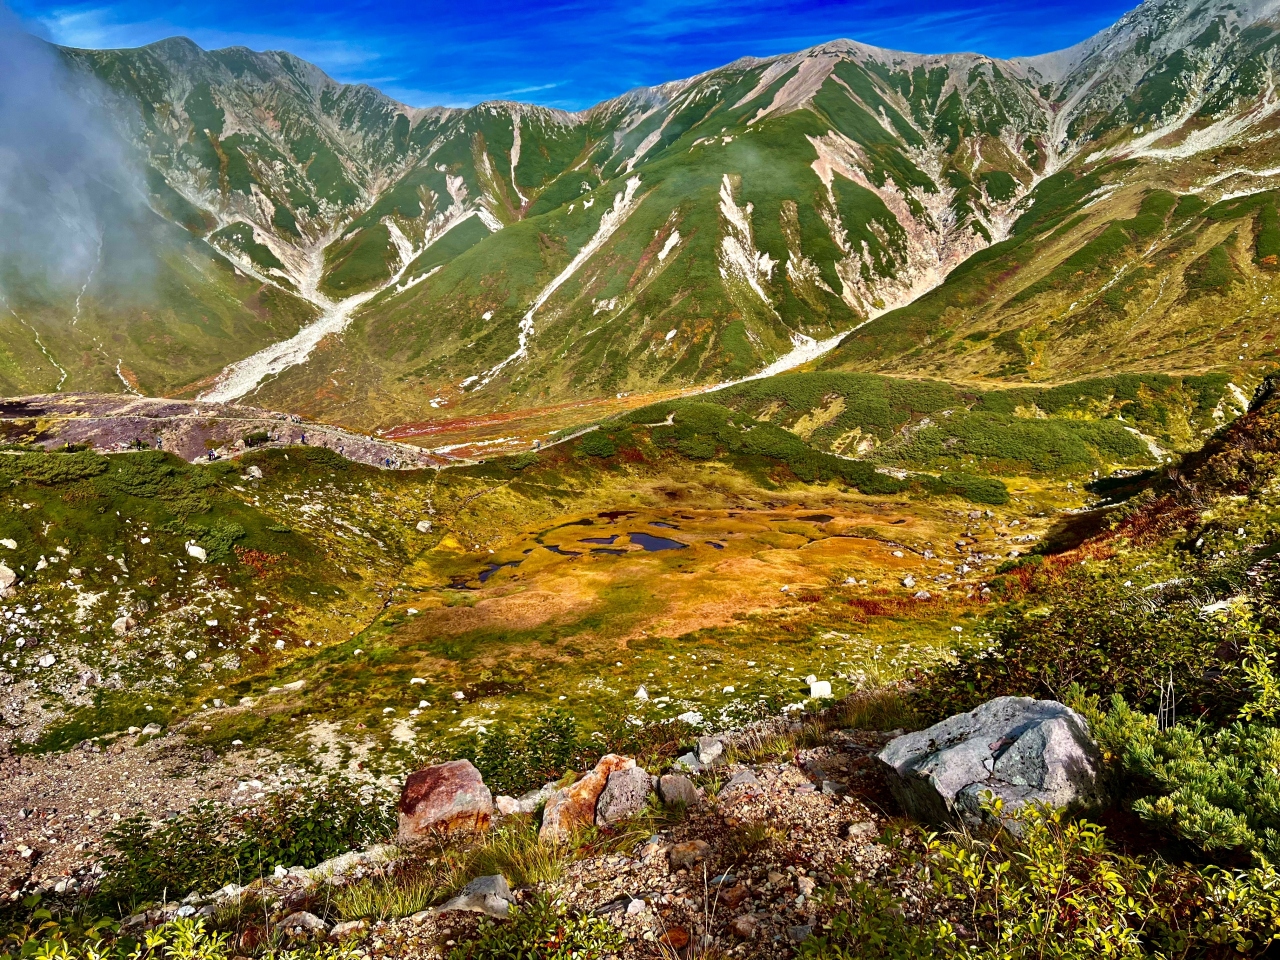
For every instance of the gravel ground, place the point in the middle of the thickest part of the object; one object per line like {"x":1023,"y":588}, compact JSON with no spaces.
{"x":56,"y":808}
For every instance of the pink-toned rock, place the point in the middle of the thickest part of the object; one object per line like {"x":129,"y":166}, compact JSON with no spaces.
{"x":444,"y":799}
{"x":571,"y":808}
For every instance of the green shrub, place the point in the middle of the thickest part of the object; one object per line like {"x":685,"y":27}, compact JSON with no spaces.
{"x":543,"y":930}
{"x":1053,"y":890}
{"x":1212,"y":272}
{"x":210,"y":846}
{"x":52,"y":469}
{"x":597,"y":444}
{"x":1267,"y":239}
{"x":1079,"y":627}
{"x":183,"y":938}
{"x":514,"y":761}
{"x":1216,"y":789}
{"x":971,"y":488}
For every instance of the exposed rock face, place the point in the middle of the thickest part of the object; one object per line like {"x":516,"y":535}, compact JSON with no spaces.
{"x":527,"y":803}
{"x":7,"y":579}
{"x":446,"y":798}
{"x":709,"y":750}
{"x":1020,"y":749}
{"x":574,"y":806}
{"x":625,"y":794}
{"x":303,"y":924}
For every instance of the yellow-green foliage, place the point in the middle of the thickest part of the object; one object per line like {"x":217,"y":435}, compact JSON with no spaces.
{"x":1053,"y":888}
{"x":179,"y":939}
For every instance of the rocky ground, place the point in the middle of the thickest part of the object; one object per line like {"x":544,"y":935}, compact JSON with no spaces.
{"x":740,"y":874}
{"x":111,"y":423}
{"x":55,"y":809}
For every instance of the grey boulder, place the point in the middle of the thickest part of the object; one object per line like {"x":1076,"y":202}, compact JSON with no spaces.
{"x":488,"y":895}
{"x":1020,"y":749}
{"x":625,"y":794}
{"x":677,"y":790}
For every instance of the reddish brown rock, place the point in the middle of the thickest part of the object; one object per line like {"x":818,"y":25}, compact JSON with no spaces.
{"x":682,"y":856}
{"x":744,"y":927}
{"x":445,"y":799}
{"x":733,"y":896}
{"x":571,"y":808}
{"x":677,"y":938}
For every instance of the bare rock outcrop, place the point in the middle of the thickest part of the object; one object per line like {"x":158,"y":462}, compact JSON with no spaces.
{"x":1020,"y":749}
{"x":573,"y":807}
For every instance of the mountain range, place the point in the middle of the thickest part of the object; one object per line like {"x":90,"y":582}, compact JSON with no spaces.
{"x":321,"y":248}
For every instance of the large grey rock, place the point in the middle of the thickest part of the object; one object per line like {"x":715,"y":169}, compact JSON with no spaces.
{"x":677,"y":790}
{"x":488,"y":895}
{"x":624,"y":795}
{"x":1021,"y":749}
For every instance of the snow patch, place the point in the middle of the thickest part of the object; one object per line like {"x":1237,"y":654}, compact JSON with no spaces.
{"x":738,"y":253}
{"x":624,"y":202}
{"x":669,"y":245}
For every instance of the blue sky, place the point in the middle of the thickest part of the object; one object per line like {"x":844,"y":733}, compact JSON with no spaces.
{"x":563,"y":53}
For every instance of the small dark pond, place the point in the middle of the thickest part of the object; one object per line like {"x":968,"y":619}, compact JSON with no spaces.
{"x":652,"y":543}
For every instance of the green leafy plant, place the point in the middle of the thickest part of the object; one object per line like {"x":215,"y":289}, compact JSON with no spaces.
{"x":1049,"y":887}
{"x":210,"y":846}
{"x":515,"y":760}
{"x":542,"y":930}
{"x":183,"y":938}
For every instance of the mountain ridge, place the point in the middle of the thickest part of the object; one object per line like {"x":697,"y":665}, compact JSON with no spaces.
{"x":780,"y":201}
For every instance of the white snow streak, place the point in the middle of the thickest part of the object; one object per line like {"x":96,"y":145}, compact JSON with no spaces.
{"x":738,"y":253}
{"x":515,"y":153}
{"x":624,"y":203}
{"x":127,"y":385}
{"x":666,"y":247}
{"x":39,"y":343}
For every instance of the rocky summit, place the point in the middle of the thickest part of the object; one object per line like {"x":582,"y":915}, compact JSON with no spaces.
{"x":823,"y":507}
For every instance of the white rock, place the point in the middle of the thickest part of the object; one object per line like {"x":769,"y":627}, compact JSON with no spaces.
{"x":7,"y":579}
{"x":48,"y":660}
{"x":641,"y":693}
{"x":820,"y":689}
{"x":122,"y":625}
{"x":193,"y":550}
{"x":11,"y":544}
{"x":424,"y":526}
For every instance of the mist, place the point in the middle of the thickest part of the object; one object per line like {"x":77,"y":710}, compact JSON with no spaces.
{"x":66,"y":177}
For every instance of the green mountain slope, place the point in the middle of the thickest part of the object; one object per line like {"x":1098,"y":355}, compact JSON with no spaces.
{"x":1086,"y":209}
